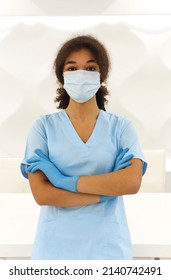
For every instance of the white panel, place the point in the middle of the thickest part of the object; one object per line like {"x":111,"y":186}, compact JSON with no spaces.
{"x":154,"y":178}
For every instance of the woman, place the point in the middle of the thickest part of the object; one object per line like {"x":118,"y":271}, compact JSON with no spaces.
{"x":80,"y":161}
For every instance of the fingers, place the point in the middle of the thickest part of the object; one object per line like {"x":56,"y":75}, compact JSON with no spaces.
{"x":33,"y":159}
{"x":32,"y":168}
{"x":126,"y":164}
{"x":127,"y":158}
{"x":39,"y":153}
{"x":125,"y":150}
{"x":37,"y":162}
{"x":122,"y":152}
{"x":123,"y":160}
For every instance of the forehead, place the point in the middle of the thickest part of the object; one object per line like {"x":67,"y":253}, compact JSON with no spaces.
{"x":83,"y":54}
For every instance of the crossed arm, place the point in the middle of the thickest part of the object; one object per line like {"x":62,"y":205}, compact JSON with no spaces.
{"x":90,"y":188}
{"x":46,"y":194}
{"x":120,"y":182}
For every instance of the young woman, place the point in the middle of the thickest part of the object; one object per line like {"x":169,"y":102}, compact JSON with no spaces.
{"x":80,"y":161}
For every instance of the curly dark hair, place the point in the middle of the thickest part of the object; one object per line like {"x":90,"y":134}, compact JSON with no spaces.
{"x":102,"y":58}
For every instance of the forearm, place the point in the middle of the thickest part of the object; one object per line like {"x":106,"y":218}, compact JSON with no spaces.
{"x":46,"y":194}
{"x":121,"y":182}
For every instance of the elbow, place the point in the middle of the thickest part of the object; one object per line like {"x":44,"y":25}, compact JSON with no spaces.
{"x":133,"y":177}
{"x":134,"y":186}
{"x":39,"y":200}
{"x":134,"y":189}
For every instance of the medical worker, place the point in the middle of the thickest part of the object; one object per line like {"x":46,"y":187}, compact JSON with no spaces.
{"x":80,"y":161}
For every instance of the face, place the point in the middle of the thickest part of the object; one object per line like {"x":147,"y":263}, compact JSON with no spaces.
{"x":81,"y":60}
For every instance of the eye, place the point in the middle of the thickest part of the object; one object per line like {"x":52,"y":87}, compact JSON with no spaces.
{"x":92,"y":68}
{"x":72,"y":68}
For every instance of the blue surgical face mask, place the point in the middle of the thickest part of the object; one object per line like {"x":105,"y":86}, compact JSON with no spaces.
{"x":81,"y":85}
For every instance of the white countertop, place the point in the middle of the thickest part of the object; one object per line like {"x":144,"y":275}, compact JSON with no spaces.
{"x":149,"y":219}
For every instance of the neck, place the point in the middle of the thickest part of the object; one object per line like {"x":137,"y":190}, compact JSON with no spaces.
{"x":83,"y":111}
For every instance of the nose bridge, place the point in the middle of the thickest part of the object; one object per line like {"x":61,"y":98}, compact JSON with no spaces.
{"x":81,"y":65}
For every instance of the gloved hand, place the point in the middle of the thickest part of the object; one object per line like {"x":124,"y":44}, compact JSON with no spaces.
{"x":42,"y":162}
{"x":120,"y":163}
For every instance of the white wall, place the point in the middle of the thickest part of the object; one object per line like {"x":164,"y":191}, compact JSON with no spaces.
{"x":138,"y":37}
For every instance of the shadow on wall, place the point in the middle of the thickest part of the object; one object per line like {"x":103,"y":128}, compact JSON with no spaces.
{"x":73,"y":7}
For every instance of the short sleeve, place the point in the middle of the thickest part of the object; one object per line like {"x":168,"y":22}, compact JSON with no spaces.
{"x":36,"y":139}
{"x":129,"y":139}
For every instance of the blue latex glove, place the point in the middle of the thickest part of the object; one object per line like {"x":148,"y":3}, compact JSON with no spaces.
{"x":120,"y":163}
{"x":42,"y":162}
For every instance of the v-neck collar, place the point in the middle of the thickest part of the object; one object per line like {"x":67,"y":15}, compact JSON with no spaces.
{"x":73,"y":135}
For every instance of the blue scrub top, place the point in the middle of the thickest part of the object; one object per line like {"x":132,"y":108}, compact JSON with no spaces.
{"x":97,"y":231}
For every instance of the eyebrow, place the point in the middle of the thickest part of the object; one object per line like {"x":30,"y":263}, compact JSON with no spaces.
{"x":74,"y":62}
